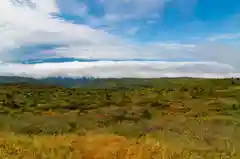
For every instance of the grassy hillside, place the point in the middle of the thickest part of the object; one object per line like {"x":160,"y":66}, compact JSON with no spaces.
{"x":136,"y":118}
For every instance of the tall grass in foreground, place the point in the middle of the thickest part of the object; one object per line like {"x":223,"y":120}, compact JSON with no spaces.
{"x":91,"y":146}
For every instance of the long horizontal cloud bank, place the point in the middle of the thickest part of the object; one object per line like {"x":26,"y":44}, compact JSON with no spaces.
{"x":120,"y":69}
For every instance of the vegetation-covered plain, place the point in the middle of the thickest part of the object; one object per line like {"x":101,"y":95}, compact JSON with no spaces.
{"x":179,"y":118}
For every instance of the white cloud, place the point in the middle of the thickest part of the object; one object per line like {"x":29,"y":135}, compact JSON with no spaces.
{"x":227,"y":53}
{"x":225,"y":37}
{"x":24,"y":25}
{"x":127,"y":51}
{"x":80,"y":41}
{"x":106,"y":69}
{"x":222,"y":53}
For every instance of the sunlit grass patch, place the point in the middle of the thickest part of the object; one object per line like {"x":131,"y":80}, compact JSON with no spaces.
{"x":72,"y":146}
{"x":101,"y":146}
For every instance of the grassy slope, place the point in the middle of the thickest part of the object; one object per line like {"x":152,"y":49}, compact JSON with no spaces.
{"x":170,"y":118}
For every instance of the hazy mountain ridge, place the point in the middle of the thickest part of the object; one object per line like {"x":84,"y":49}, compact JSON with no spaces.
{"x":59,"y":81}
{"x":90,"y":82}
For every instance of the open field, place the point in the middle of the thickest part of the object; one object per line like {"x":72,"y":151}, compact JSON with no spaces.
{"x":131,"y":118}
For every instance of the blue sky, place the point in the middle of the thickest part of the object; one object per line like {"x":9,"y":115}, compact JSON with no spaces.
{"x":169,"y":20}
{"x":107,"y":34}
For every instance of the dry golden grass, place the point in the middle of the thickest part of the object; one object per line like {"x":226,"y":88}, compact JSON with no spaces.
{"x":92,"y":146}
{"x":79,"y":147}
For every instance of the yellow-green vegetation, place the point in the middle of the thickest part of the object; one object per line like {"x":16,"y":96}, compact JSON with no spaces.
{"x":148,"y":118}
{"x":92,"y":146}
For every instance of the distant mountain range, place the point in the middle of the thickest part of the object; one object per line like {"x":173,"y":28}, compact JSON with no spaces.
{"x":59,"y":81}
{"x":82,"y":82}
{"x":72,"y":82}
{"x":86,"y":82}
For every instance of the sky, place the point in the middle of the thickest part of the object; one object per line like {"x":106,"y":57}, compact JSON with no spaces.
{"x":120,"y":38}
